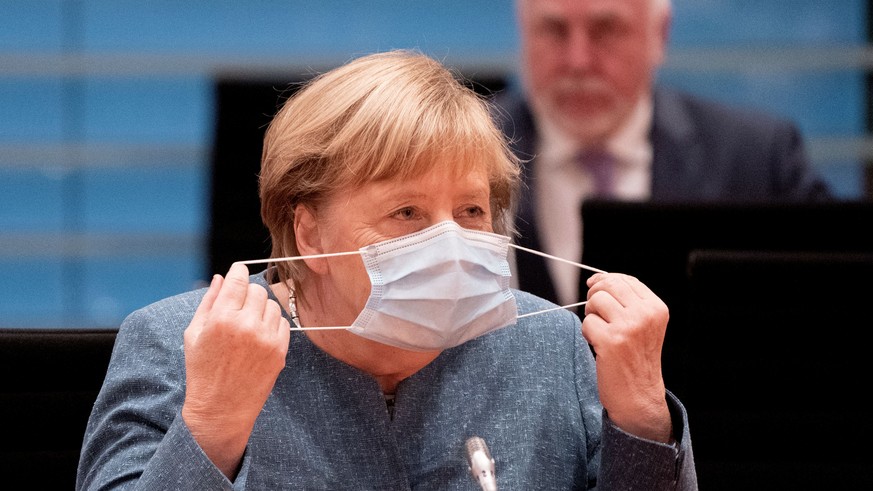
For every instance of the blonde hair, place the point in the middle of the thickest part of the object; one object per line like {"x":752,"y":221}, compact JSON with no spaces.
{"x":382,"y":116}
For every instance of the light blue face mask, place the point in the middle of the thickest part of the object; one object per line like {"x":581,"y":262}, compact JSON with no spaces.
{"x":434,"y":289}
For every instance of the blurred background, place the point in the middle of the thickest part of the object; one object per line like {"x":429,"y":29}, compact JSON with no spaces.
{"x":111,"y":112}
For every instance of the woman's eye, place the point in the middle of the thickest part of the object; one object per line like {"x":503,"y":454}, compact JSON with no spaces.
{"x":474,"y":211}
{"x":405,"y":213}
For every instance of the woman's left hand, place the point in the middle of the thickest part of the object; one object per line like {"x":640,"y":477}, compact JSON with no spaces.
{"x":625,"y":323}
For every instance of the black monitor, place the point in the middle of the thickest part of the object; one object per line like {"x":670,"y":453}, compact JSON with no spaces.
{"x":652,"y":241}
{"x":778,"y":369}
{"x":768,"y":303}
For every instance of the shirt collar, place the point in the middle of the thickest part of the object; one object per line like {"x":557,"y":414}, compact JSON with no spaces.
{"x":629,"y":144}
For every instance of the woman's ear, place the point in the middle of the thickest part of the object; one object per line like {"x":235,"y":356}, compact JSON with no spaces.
{"x":308,"y":237}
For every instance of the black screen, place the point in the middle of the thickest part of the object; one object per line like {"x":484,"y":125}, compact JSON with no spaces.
{"x":652,"y":241}
{"x":768,"y":306}
{"x":777,"y":358}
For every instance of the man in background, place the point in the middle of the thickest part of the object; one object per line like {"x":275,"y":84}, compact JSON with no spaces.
{"x":590,"y":121}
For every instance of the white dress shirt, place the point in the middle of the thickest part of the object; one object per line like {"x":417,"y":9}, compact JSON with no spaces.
{"x":560,"y":186}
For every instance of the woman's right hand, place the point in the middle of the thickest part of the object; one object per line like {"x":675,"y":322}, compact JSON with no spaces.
{"x":235,"y":348}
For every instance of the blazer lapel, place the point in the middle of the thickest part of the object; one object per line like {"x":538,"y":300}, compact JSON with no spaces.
{"x":677,"y":160}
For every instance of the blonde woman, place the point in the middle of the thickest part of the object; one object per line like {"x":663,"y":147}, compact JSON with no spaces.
{"x":383,"y":334}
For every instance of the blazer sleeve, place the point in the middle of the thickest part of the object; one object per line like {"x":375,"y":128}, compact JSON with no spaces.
{"x":629,"y":462}
{"x":620,"y":460}
{"x":136,"y":437}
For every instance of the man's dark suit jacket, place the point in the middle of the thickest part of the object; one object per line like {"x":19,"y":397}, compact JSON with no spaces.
{"x":702,"y":151}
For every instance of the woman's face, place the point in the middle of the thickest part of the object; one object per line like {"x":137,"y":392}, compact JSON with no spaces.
{"x":383,"y":210}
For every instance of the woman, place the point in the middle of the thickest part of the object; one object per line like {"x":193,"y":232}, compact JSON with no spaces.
{"x":386,"y":180}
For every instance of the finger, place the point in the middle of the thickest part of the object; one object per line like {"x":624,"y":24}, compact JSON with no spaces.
{"x":205,"y":306}
{"x":616,"y":285}
{"x":594,"y":279}
{"x":603,"y":304}
{"x":211,"y":294}
{"x":256,"y":300}
{"x":273,"y":315}
{"x":594,"y":328}
{"x":598,"y":282}
{"x":235,"y":287}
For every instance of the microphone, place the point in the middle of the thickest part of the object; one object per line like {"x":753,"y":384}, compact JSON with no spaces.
{"x":481,"y":463}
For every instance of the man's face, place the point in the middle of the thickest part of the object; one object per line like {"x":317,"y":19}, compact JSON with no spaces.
{"x":587,"y":62}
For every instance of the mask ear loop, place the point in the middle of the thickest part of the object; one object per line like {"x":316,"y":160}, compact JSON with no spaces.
{"x":293,"y":308}
{"x":292,"y":304}
{"x":566,"y":261}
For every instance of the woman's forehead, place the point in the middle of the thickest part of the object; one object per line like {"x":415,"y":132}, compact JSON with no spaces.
{"x":424,"y":181}
{"x":450,"y":163}
{"x":440,"y":174}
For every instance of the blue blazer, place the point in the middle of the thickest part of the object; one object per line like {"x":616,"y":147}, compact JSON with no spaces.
{"x":702,"y":152}
{"x":530,"y":390}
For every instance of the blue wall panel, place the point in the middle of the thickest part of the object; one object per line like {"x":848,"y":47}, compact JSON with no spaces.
{"x":31,"y":292}
{"x":169,"y":200}
{"x":31,"y":199}
{"x":715,"y":23}
{"x":337,"y":28}
{"x":166,"y":110}
{"x":114,"y":287}
{"x":32,"y":109}
{"x":96,"y":152}
{"x":32,"y":24}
